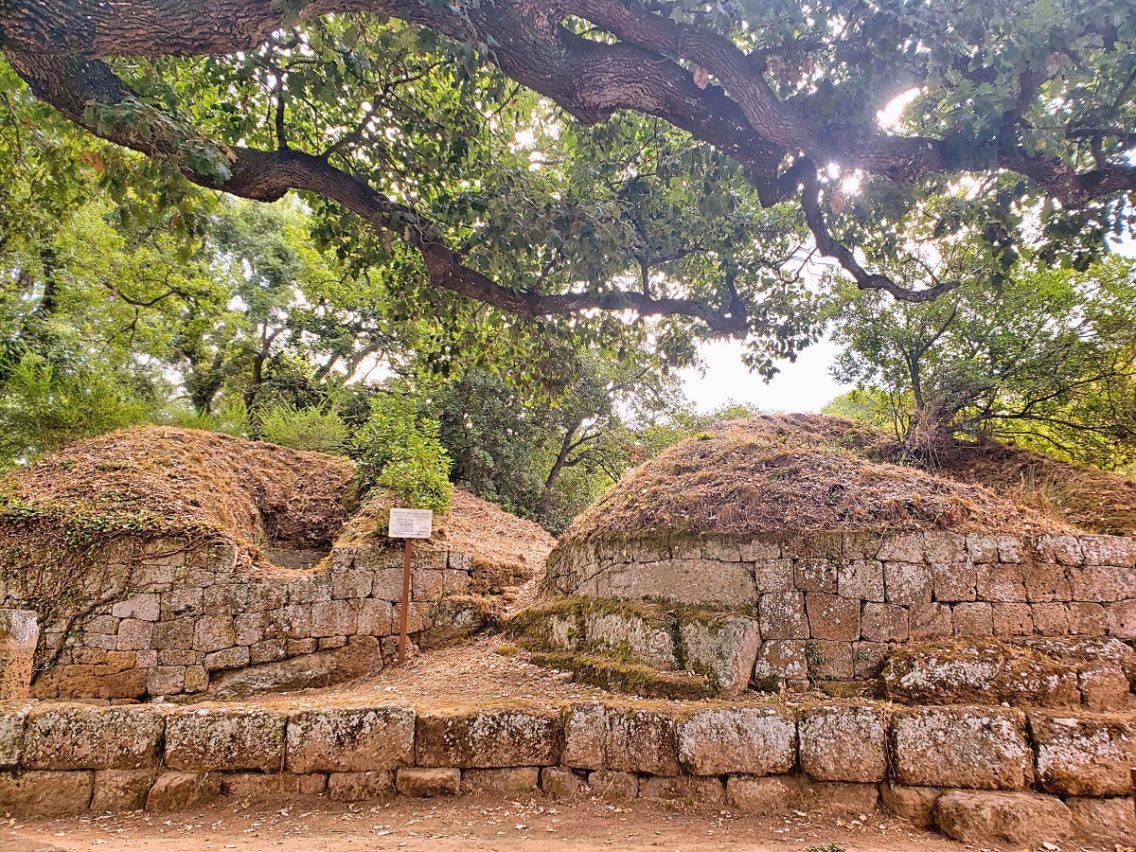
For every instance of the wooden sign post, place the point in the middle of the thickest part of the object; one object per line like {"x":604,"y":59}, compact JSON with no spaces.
{"x":408,"y":524}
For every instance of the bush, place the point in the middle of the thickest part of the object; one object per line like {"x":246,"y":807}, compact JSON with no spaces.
{"x":402,"y":453}
{"x":231,"y":419}
{"x":306,"y":428}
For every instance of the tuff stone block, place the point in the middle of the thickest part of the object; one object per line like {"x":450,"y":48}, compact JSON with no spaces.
{"x":428,"y":783}
{"x":487,"y":739}
{"x":85,"y":737}
{"x":971,"y":747}
{"x":833,"y":617}
{"x":751,"y":740}
{"x":620,"y":738}
{"x":225,"y":739}
{"x":360,"y":786}
{"x":1002,"y":818}
{"x":1087,"y":754}
{"x":844,"y":743}
{"x":45,"y":793}
{"x":515,"y":781}
{"x":350,"y":740}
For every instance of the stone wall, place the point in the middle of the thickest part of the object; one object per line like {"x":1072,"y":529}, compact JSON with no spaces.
{"x":947,"y":764}
{"x":190,"y":619}
{"x":835,"y":605}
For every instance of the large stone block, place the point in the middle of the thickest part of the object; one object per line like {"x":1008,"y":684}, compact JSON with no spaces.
{"x":620,"y":738}
{"x":45,"y":793}
{"x":1089,"y":754}
{"x":782,"y":616}
{"x":517,"y":781}
{"x":914,"y":804}
{"x":122,"y":789}
{"x":350,"y":740}
{"x":1111,"y":820}
{"x":85,"y":737}
{"x":12,"y":719}
{"x":861,"y":580}
{"x":907,"y":583}
{"x":833,"y":617}
{"x":763,"y":796}
{"x":360,"y":786}
{"x":650,"y":643}
{"x":683,"y":788}
{"x":971,"y":747}
{"x":177,"y":791}
{"x":844,"y":742}
{"x":428,"y":783}
{"x":1002,"y":818}
{"x":884,"y":622}
{"x":724,"y":651}
{"x":749,"y":740}
{"x":1102,"y":583}
{"x":19,"y":633}
{"x":1002,"y":583}
{"x":487,"y":739}
{"x":780,"y":661}
{"x":225,"y":739}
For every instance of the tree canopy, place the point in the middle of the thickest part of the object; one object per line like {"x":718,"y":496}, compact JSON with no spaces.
{"x":662,"y":158}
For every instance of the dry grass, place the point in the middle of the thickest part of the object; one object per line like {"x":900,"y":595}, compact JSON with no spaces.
{"x":193,"y":480}
{"x":799,"y":472}
{"x":1090,"y":498}
{"x":165,"y":481}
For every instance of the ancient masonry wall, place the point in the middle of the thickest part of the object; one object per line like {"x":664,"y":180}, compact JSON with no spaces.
{"x":836,"y":605}
{"x":190,"y":618}
{"x":756,"y":758}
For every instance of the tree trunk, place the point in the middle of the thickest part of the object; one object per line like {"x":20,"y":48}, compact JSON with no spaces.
{"x":544,"y":505}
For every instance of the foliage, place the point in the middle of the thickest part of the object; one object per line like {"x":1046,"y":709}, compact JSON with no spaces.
{"x":43,"y":408}
{"x":309,"y":428}
{"x":399,"y":451}
{"x":1047,"y":360}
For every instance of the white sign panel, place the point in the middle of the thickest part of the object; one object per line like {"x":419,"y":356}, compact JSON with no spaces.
{"x":411,"y":523}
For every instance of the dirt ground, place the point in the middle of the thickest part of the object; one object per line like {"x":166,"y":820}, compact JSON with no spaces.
{"x":464,"y":824}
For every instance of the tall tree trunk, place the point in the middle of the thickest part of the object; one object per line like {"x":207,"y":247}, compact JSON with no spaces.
{"x":544,"y":505}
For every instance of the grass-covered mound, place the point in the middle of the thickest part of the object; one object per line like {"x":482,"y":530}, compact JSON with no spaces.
{"x":775,"y":473}
{"x":152,"y":481}
{"x":164,"y":480}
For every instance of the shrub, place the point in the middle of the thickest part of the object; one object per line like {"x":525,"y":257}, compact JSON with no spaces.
{"x":402,"y":453}
{"x":231,"y":419}
{"x":307,"y":428}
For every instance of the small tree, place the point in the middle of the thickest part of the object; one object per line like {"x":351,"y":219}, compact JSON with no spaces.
{"x":400,"y":452}
{"x":1046,"y":360}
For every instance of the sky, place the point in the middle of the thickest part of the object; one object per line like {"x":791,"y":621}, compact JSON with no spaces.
{"x":804,"y":385}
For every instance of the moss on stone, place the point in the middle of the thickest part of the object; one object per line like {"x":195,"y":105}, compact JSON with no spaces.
{"x":619,"y":676}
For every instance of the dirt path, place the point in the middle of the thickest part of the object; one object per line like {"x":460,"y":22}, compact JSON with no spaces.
{"x":315,"y":825}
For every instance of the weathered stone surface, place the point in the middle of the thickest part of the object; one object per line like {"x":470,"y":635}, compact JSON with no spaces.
{"x":780,"y":660}
{"x":724,"y":652}
{"x":517,"y":781}
{"x":833,"y":617}
{"x":1102,"y":583}
{"x":621,"y":738}
{"x":1015,"y":619}
{"x":85,"y":737}
{"x":930,"y":621}
{"x":19,"y":633}
{"x":177,"y":791}
{"x":350,"y":740}
{"x":751,"y":740}
{"x":884,"y":622}
{"x":978,"y":671}
{"x":360,"y":786}
{"x":122,"y":789}
{"x":829,"y":660}
{"x":844,"y":742}
{"x":762,"y":796}
{"x":44,"y":793}
{"x":993,"y":818}
{"x":834,"y":797}
{"x":683,"y":788}
{"x":907,"y":583}
{"x":12,"y":719}
{"x":971,"y":747}
{"x":613,"y":784}
{"x":428,"y":783}
{"x":561,"y":783}
{"x":975,"y":618}
{"x":1112,"y":820}
{"x":816,"y":575}
{"x":647,"y":642}
{"x":999,"y":582}
{"x":781,"y":615}
{"x":861,"y":579}
{"x":487,"y":739}
{"x":901,"y":548}
{"x":225,"y":739}
{"x":1084,"y":755}
{"x":914,"y":804}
